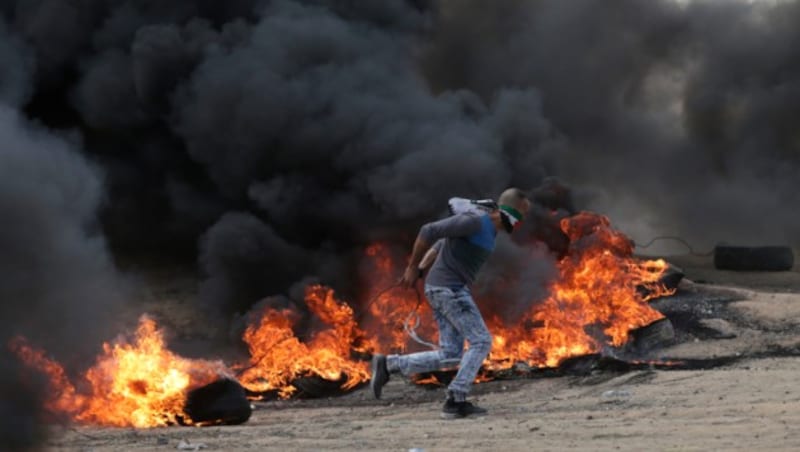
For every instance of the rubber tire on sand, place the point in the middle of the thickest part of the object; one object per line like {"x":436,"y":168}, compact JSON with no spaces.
{"x":222,"y":402}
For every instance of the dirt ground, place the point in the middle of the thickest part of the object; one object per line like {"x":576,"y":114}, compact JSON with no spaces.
{"x":753,"y":402}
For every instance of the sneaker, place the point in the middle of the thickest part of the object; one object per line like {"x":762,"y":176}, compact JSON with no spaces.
{"x":456,"y":410}
{"x":380,"y":375}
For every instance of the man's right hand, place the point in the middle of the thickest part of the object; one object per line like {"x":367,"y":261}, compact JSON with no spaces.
{"x":410,"y":276}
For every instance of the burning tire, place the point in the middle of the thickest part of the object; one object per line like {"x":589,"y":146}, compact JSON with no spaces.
{"x":651,"y":337}
{"x":314,"y":386}
{"x":220,"y":402}
{"x":760,"y":258}
{"x":671,"y":278}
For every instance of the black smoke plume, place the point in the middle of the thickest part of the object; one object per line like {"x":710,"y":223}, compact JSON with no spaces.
{"x":268,"y":142}
{"x":677,"y":113}
{"x":59,"y":286}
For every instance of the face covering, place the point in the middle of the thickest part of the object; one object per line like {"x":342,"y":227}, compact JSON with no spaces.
{"x":511,"y":217}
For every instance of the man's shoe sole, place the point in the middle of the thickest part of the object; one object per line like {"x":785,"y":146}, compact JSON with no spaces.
{"x":377,"y":389}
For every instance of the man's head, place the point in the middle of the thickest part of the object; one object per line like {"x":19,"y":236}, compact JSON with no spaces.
{"x":514,"y":205}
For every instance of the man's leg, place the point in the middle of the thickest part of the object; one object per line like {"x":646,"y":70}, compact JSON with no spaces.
{"x":464,"y":315}
{"x":451,"y":347}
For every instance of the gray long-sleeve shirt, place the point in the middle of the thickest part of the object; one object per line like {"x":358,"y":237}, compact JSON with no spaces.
{"x":464,"y":242}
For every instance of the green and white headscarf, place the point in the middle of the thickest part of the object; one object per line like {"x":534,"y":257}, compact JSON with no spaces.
{"x":512,"y":215}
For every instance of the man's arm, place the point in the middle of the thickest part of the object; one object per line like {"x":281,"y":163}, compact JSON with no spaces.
{"x":455,"y":226}
{"x":411,"y":274}
{"x":430,"y":256}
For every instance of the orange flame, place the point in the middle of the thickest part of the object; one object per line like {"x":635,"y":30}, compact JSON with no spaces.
{"x":389,"y":305}
{"x":596,"y":301}
{"x":278,"y":356}
{"x":598,"y":298}
{"x":139,"y":384}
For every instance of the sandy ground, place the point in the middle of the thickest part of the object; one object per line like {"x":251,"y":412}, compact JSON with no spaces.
{"x":751,"y":403}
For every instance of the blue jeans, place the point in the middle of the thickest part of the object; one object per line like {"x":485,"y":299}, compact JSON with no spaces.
{"x":458,"y":318}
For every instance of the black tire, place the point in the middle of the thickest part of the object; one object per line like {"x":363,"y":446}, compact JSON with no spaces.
{"x":672,"y":277}
{"x":314,"y":387}
{"x":222,"y":402}
{"x":651,"y":337}
{"x":759,"y":258}
{"x":579,"y":365}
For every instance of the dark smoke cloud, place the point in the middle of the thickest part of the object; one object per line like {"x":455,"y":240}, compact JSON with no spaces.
{"x":270,"y":141}
{"x":107,"y":68}
{"x":284,"y":136}
{"x":327,"y":128}
{"x":245,"y":259}
{"x":516,"y":277}
{"x":677,"y":114}
{"x":17,"y":64}
{"x":59,"y":286}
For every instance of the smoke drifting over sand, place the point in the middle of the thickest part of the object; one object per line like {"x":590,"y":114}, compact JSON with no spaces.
{"x":270,"y":141}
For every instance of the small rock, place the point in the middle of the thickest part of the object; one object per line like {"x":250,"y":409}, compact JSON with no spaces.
{"x":616,"y":395}
{"x":186,"y":445}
